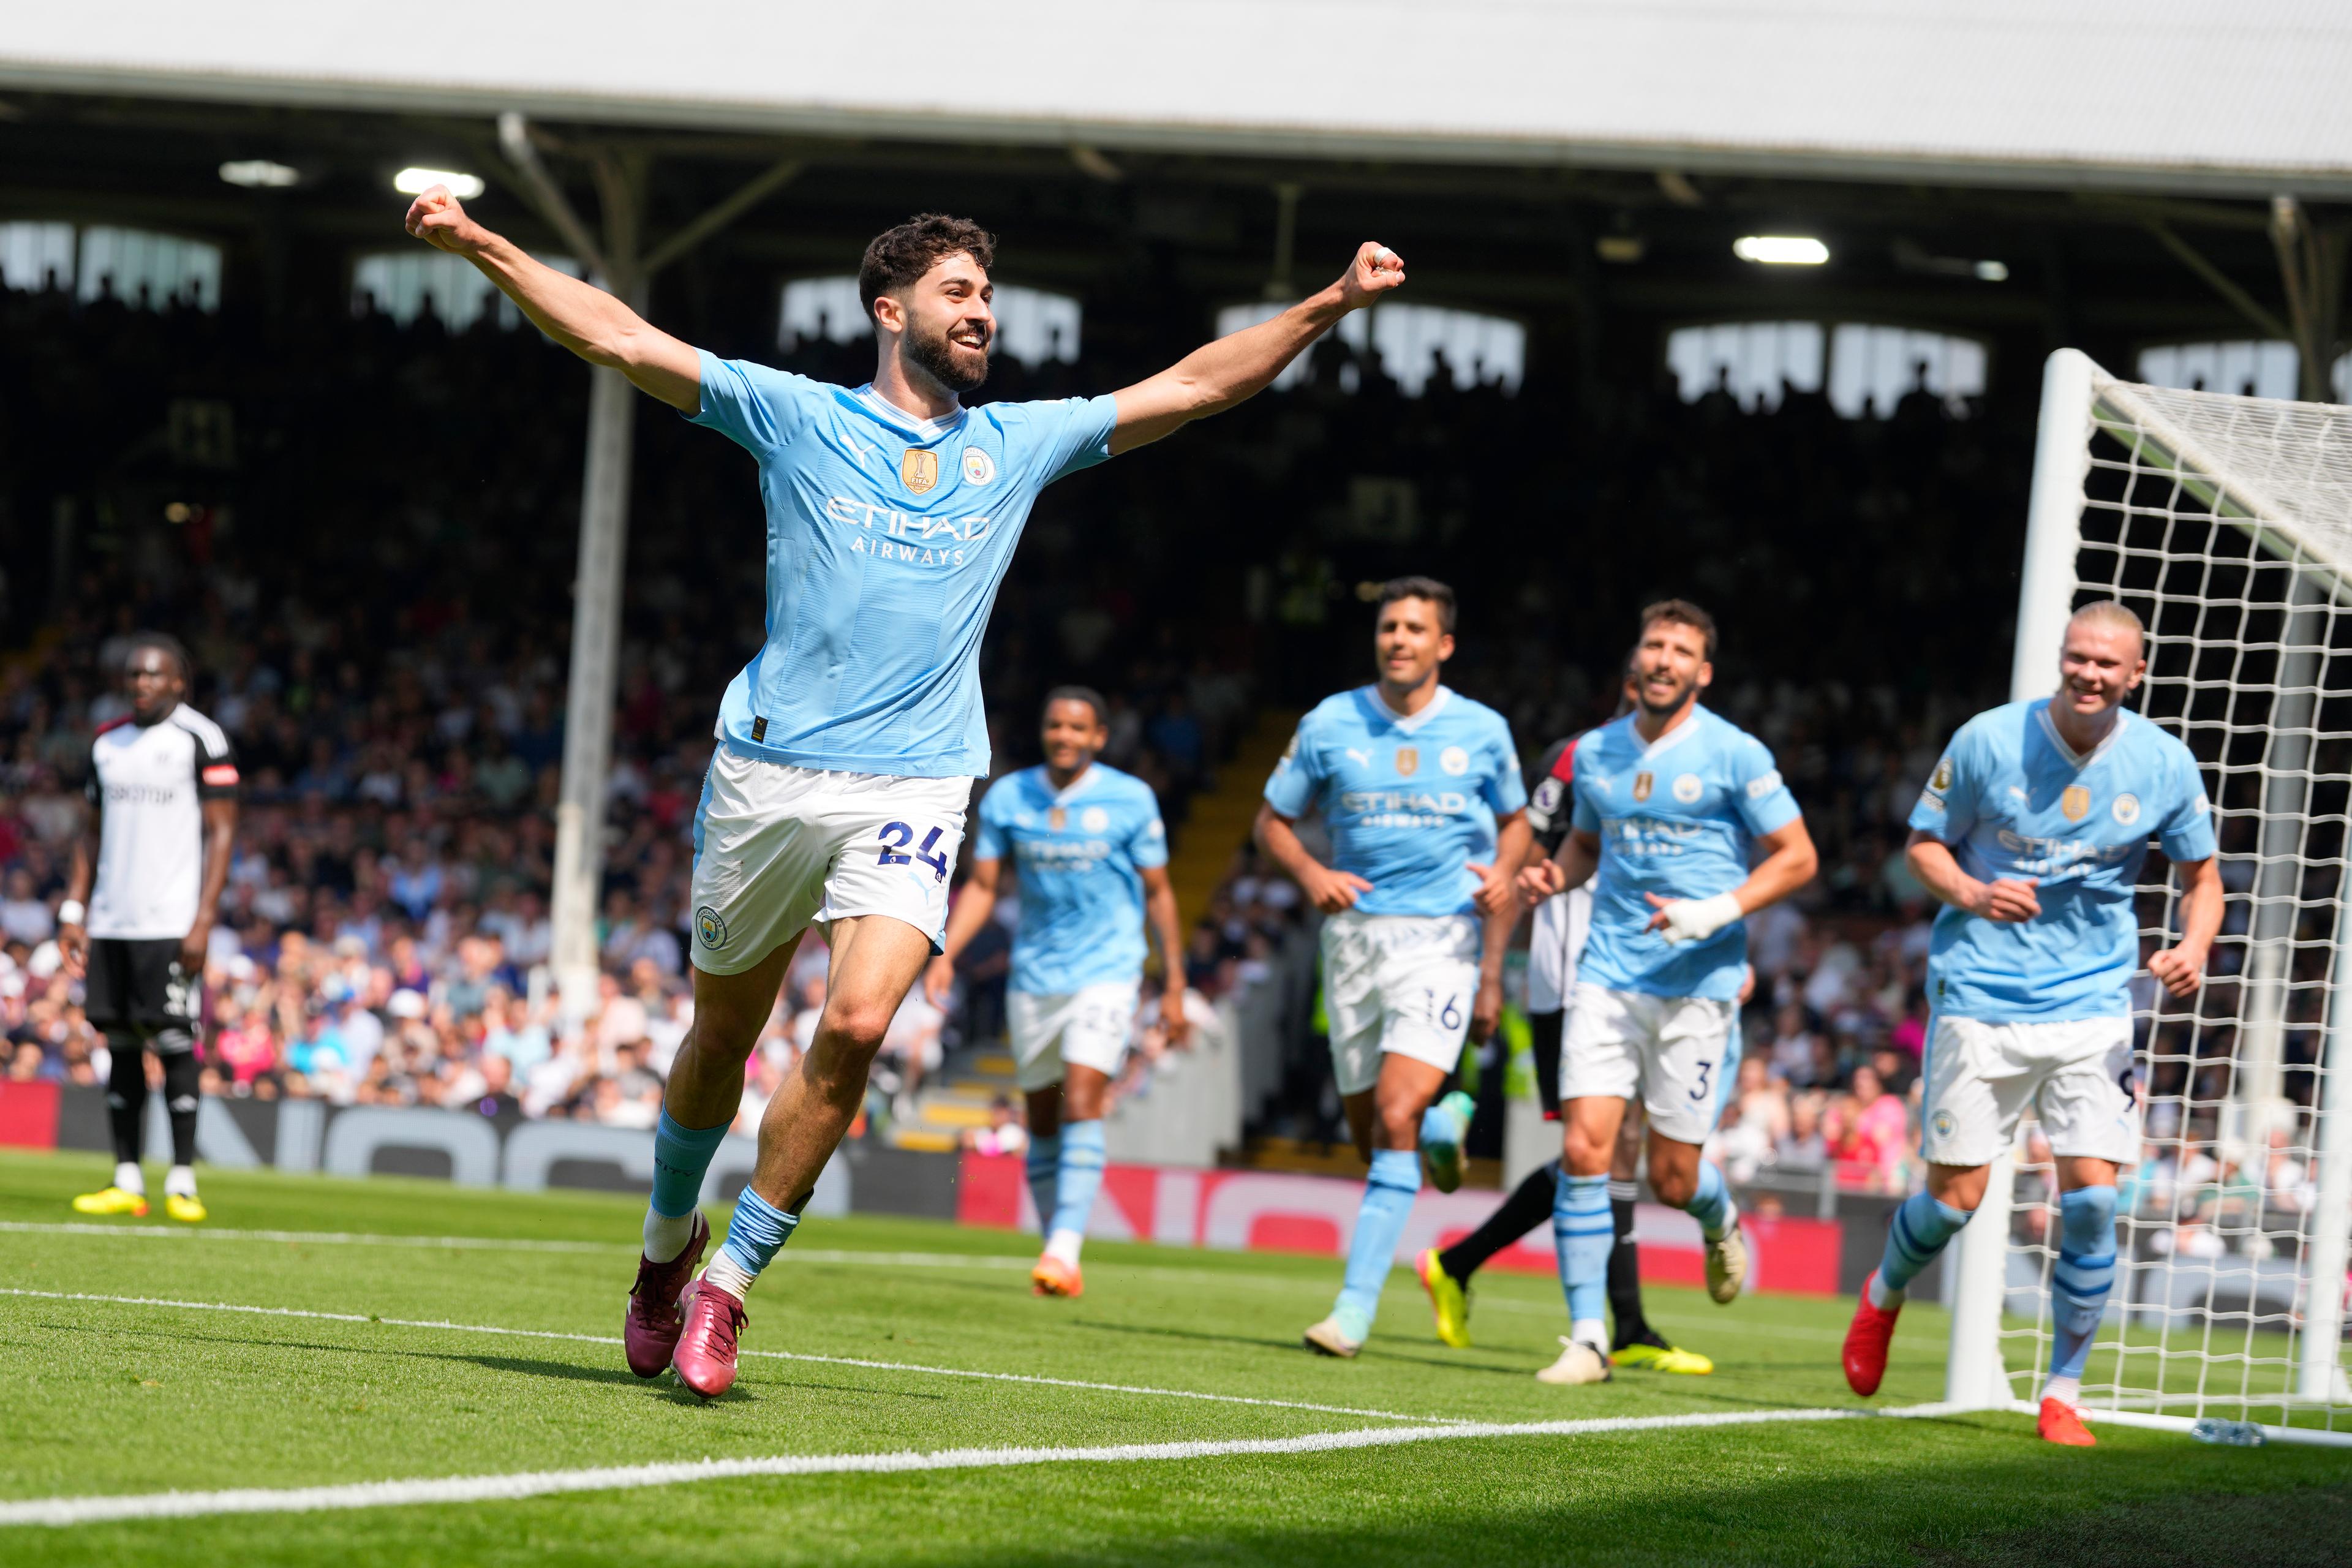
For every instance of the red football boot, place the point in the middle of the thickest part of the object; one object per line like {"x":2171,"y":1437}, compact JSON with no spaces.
{"x":2061,"y":1423}
{"x":1866,"y":1342}
{"x":649,"y":1330}
{"x":706,"y":1350}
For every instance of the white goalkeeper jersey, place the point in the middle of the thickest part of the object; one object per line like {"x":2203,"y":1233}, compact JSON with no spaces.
{"x":148,"y":783}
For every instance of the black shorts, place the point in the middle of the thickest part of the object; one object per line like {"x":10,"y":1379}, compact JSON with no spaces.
{"x":1544,"y":1031}
{"x":136,"y":984}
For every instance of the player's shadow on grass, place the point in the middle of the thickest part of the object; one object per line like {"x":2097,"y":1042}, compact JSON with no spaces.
{"x":1252,"y":1340}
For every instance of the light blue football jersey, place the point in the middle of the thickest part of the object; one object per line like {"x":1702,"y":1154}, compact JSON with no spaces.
{"x":1410,"y":802}
{"x":888,"y":537}
{"x":1678,"y":817}
{"x":2013,"y":801}
{"x":1079,"y":854}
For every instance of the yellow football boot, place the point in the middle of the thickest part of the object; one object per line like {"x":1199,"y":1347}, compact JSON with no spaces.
{"x":1665,"y":1358}
{"x":187,"y":1208}
{"x":112,"y":1199}
{"x":1447,"y":1299}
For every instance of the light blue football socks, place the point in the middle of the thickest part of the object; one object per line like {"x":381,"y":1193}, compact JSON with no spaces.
{"x":1583,"y":1234}
{"x":1710,"y":1204}
{"x":1043,"y":1166}
{"x":682,"y":1156}
{"x":1080,"y":1177}
{"x":2079,"y":1284}
{"x":1388,"y":1193}
{"x":1922,"y":1228}
{"x":754,"y":1236}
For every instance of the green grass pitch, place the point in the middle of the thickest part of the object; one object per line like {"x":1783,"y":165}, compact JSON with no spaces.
{"x":109,"y":1396}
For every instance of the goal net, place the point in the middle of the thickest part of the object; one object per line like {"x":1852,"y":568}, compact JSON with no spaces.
{"x":2226,"y":522}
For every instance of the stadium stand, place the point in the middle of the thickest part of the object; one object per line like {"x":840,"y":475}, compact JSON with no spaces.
{"x":382,"y":633}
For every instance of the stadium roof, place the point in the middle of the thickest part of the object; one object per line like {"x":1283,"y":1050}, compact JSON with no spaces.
{"x":2244,"y":97}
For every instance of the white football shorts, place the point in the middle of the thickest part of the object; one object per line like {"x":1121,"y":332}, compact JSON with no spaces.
{"x":2078,"y":1073}
{"x":779,"y":849}
{"x":1675,"y":1052}
{"x":1089,"y":1027}
{"x":1402,"y":983}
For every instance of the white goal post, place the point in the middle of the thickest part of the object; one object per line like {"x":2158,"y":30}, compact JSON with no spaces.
{"x":2226,"y":522}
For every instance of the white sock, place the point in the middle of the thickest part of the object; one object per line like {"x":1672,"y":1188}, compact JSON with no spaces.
{"x":1881,"y":1296}
{"x":131,"y":1178}
{"x":1065,"y":1244}
{"x":2066,"y":1391}
{"x":181,"y":1181}
{"x":1590,"y":1332}
{"x":666,"y":1236}
{"x":729,"y":1276}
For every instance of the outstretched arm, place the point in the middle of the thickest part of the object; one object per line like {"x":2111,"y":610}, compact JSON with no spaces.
{"x":584,"y":319}
{"x":1216,"y":375}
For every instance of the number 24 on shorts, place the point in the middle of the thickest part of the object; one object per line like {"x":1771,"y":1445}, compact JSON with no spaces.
{"x":896,"y":836}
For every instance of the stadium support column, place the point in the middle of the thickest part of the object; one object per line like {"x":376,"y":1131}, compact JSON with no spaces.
{"x":588,"y":703}
{"x":622,"y":264}
{"x":2259,"y":1085}
{"x":1974,"y":1376}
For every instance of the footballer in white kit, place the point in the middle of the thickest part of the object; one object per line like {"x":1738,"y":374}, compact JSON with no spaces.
{"x":1672,"y":804}
{"x":847,"y":745}
{"x":139,"y":909}
{"x":1420,"y":790}
{"x":2031,"y":832}
{"x":1091,"y":855}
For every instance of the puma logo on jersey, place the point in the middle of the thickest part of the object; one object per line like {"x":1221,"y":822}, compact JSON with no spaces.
{"x":1362,"y":758}
{"x":857,"y":451}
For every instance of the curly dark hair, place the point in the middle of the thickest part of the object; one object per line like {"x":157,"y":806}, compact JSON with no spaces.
{"x":899,"y":256}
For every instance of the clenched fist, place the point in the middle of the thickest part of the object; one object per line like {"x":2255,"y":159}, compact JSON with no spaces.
{"x":437,"y":219}
{"x":1375,"y":271}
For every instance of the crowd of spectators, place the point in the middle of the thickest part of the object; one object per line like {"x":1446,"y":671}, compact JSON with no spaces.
{"x":385,"y":638}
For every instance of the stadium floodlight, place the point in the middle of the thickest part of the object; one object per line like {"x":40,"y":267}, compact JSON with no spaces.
{"x":415,"y":182}
{"x":260,"y":174}
{"x":2226,"y":523}
{"x":1992,"y":271}
{"x":1780,"y":249}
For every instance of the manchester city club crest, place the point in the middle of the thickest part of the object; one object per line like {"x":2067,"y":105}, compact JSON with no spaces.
{"x":2075,"y":803}
{"x":1687,"y":789}
{"x":921,"y":469}
{"x":1642,"y":783}
{"x":1094,"y":819}
{"x":2126,"y":809}
{"x":978,"y":467}
{"x":1408,"y":760}
{"x":1943,"y":1123}
{"x":708,"y":929}
{"x":1056,"y":818}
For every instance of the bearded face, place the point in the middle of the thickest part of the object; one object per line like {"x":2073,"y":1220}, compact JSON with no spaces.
{"x":953,"y":352}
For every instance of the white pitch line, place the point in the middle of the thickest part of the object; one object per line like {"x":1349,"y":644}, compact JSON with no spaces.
{"x":313,"y":1237}
{"x":855,"y":1256}
{"x":771,"y":1355}
{"x":67,"y":1510}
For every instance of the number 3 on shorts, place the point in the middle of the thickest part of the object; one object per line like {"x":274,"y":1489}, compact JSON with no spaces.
{"x":896,"y":835}
{"x":1706,"y":1069}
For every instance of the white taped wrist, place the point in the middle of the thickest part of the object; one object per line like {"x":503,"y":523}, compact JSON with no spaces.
{"x":72,"y":913}
{"x":1696,"y":920}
